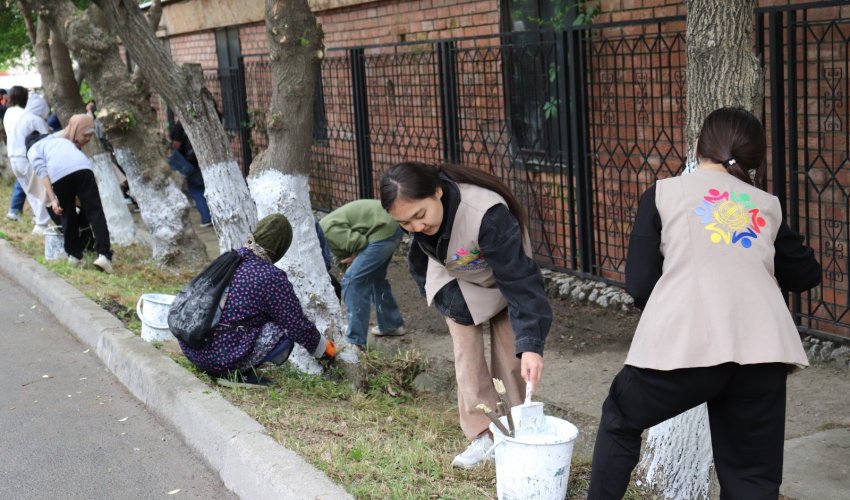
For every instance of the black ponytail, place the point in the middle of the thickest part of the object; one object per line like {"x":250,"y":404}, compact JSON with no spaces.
{"x":735,"y":138}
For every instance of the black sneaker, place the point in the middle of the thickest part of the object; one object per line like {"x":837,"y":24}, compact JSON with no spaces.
{"x":247,"y":380}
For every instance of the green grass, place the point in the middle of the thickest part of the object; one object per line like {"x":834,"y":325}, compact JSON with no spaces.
{"x":385,"y":442}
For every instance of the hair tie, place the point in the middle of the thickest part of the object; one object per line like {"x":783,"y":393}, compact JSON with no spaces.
{"x":730,"y":162}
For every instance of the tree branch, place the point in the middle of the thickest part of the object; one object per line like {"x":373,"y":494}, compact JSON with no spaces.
{"x":155,"y":14}
{"x":26,"y":13}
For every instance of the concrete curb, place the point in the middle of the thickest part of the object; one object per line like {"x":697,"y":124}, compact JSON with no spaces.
{"x":248,"y":460}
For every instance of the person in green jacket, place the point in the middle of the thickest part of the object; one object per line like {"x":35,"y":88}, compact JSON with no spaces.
{"x":363,"y":237}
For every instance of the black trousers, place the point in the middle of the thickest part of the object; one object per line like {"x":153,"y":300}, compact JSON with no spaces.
{"x":746,"y":412}
{"x":81,"y":184}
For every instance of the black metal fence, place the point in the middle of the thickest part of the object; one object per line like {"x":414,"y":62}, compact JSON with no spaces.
{"x":578,"y":123}
{"x":806,"y":49}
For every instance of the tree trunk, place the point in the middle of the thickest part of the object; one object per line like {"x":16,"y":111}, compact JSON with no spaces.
{"x":130,"y":125}
{"x":233,"y":210}
{"x":722,"y":67}
{"x":279,"y":176}
{"x":57,"y":73}
{"x":722,"y":71}
{"x":59,"y":82}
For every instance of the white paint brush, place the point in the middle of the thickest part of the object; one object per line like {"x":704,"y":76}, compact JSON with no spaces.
{"x":530,"y":414}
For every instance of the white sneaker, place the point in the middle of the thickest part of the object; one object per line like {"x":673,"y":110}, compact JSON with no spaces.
{"x":15,"y":216}
{"x":390,"y":333}
{"x":103,"y":263}
{"x":475,"y":453}
{"x":74,"y":262}
{"x":39,"y":229}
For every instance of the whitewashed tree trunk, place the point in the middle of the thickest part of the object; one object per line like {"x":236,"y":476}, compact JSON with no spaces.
{"x":164,"y":210}
{"x":5,"y":167}
{"x":677,"y":459}
{"x":722,"y":71}
{"x":279,"y":176}
{"x":288,"y":194}
{"x":233,"y":210}
{"x":130,"y":125}
{"x":122,"y":229}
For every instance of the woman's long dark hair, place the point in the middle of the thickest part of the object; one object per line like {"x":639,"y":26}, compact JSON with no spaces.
{"x":735,"y":138}
{"x":411,"y":180}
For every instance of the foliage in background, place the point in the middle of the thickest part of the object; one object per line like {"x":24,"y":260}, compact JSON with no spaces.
{"x":13,"y":35}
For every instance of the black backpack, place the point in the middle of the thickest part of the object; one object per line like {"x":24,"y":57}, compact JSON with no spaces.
{"x":197,"y":308}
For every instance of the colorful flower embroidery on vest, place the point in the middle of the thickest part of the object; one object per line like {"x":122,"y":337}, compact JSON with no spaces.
{"x":467,"y":260}
{"x":730,"y":217}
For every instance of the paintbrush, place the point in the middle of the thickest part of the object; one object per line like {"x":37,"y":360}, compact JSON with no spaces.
{"x":492,"y":416}
{"x":530,"y":415}
{"x":506,"y":405}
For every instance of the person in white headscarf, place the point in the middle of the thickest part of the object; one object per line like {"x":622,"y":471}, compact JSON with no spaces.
{"x":32,"y":119}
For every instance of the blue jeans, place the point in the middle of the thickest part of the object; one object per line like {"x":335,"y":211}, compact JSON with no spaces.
{"x":194,"y":183}
{"x":18,"y":198}
{"x":196,"y":191}
{"x":365,"y":283}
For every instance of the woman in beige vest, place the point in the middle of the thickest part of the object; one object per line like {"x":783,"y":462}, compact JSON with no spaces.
{"x":471,"y":259}
{"x":709,"y":256}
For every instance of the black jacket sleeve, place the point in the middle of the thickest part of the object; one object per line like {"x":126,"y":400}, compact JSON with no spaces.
{"x":644,"y":260}
{"x":417,"y":264}
{"x":518,"y":278}
{"x":794,"y":264}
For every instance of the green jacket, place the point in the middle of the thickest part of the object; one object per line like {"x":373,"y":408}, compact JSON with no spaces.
{"x":351,"y":227}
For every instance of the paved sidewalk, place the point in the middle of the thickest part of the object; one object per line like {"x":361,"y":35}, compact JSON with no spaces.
{"x":249,"y":462}
{"x":70,"y":430}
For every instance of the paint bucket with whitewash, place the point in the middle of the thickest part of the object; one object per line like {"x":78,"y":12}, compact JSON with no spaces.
{"x":54,"y":244}
{"x":534,"y":466}
{"x":152,"y":309}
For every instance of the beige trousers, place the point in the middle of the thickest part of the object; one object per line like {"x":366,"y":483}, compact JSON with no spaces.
{"x":474,"y":380}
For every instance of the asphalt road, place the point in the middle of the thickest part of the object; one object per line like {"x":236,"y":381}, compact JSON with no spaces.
{"x":69,"y":430}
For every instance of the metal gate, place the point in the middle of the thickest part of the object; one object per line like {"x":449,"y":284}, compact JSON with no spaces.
{"x":805,"y":49}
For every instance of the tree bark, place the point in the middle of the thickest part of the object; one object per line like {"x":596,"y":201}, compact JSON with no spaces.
{"x":279,"y":176}
{"x":130,"y":125}
{"x":722,"y":67}
{"x":722,"y":71}
{"x":233,"y":210}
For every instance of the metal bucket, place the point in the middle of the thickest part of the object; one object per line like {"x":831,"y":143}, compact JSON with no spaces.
{"x":54,"y":244}
{"x":152,"y":309}
{"x":534,"y":466}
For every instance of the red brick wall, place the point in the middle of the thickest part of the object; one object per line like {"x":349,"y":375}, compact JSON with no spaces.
{"x":395,"y":21}
{"x":194,"y":47}
{"x":253,"y":39}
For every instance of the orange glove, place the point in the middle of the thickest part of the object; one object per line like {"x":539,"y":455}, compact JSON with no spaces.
{"x":330,"y":350}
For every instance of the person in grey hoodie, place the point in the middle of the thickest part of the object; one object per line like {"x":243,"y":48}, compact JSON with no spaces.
{"x":33,"y":119}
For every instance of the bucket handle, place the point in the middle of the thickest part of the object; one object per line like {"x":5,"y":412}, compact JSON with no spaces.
{"x":142,"y":317}
{"x":489,"y":454}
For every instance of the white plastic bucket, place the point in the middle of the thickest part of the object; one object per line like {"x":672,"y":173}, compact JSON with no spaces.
{"x":152,"y":309}
{"x":54,"y":244}
{"x":535,"y":466}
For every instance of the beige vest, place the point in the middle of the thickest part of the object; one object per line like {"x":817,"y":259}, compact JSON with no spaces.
{"x":717,"y":300}
{"x":464,"y":260}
